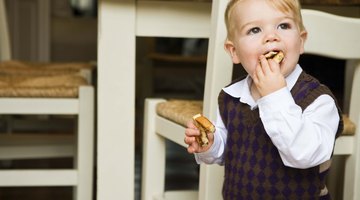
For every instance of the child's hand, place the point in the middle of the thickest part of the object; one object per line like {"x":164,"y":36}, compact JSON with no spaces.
{"x":190,"y":133}
{"x":267,"y":77}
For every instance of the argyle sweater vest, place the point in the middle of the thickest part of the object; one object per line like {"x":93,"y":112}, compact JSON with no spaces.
{"x":253,"y":167}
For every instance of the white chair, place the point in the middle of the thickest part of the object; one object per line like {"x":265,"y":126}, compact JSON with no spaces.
{"x":49,"y":146}
{"x":329,"y":35}
{"x":39,"y":90}
{"x":153,"y":165}
{"x":322,"y":44}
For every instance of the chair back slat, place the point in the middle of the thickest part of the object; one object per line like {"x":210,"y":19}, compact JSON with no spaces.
{"x":331,"y":35}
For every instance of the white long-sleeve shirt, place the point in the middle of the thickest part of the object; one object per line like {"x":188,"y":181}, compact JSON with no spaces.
{"x":304,"y":138}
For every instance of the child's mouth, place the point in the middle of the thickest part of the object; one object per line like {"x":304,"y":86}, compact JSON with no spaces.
{"x":277,"y":56}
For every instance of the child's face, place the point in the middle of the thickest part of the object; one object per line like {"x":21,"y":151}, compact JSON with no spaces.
{"x":260,"y":28}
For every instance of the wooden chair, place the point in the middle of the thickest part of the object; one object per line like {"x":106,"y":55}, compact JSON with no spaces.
{"x":329,"y":35}
{"x":29,"y":146}
{"x":55,"y":89}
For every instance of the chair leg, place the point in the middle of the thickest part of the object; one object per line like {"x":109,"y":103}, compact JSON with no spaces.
{"x":352,"y":173}
{"x":352,"y":165}
{"x":85,"y":145}
{"x":153,"y":164}
{"x":211,"y":181}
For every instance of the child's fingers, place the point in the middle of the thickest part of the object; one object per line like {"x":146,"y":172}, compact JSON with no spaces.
{"x":190,"y":132}
{"x":264,"y":65}
{"x":192,"y":148}
{"x":258,"y":73}
{"x":255,"y":78}
{"x":189,"y":140}
{"x":274,"y":66}
{"x":190,"y":124}
{"x":193,"y":145}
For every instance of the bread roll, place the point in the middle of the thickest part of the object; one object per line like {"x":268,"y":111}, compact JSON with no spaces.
{"x":277,"y":56}
{"x":204,"y":125}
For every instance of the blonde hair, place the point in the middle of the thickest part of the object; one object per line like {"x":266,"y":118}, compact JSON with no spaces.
{"x":285,"y":6}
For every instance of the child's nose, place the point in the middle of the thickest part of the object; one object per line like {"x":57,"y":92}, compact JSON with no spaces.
{"x":271,"y":36}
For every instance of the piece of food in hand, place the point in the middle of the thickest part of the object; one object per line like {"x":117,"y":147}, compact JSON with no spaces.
{"x":277,"y":56}
{"x":204,"y":125}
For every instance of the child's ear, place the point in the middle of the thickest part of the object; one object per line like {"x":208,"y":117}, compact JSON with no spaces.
{"x":303,"y":37}
{"x":230,"y":48}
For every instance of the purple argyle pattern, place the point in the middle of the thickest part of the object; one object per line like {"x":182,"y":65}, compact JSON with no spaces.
{"x":253,"y":167}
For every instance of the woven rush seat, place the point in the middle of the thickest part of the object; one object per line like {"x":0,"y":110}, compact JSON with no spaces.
{"x":26,"y":79}
{"x":181,"y":112}
{"x":14,"y":67}
{"x":41,"y":86}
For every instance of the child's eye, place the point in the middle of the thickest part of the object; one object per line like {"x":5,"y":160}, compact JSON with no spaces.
{"x":254,"y":30}
{"x":284,"y":26}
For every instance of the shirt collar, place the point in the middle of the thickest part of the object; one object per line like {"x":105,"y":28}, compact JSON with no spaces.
{"x":241,"y":89}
